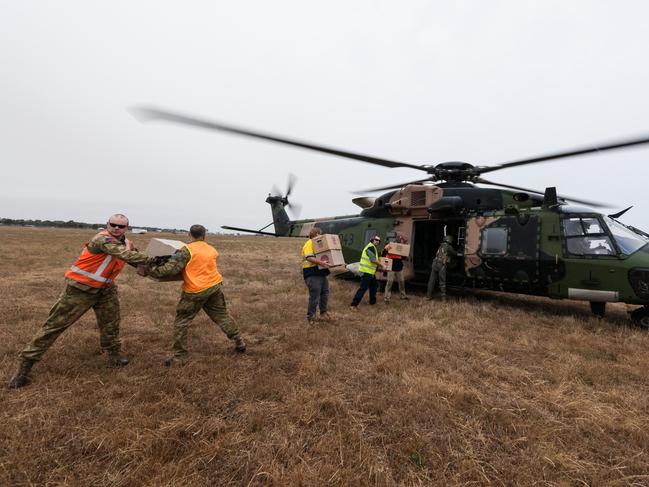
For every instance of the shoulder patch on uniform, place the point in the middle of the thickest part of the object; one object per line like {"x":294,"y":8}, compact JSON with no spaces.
{"x":109,"y":239}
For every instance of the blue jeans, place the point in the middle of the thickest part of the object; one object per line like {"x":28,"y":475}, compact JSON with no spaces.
{"x":368,"y":281}
{"x":318,"y":294}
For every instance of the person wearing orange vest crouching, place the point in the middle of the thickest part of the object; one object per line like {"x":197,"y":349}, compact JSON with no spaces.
{"x":202,"y":289}
{"x":90,"y":284}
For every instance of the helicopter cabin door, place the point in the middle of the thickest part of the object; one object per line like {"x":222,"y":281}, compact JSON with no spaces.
{"x":502,"y":252}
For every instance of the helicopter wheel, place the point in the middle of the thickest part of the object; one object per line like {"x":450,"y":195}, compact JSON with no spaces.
{"x":598,"y":308}
{"x":640,"y":317}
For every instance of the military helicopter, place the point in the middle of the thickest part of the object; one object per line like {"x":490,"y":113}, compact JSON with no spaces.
{"x":511,"y":239}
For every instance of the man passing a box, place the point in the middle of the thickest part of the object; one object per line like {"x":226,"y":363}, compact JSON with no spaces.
{"x":90,"y":283}
{"x":396,"y":272}
{"x":316,"y":279}
{"x":202,"y":289}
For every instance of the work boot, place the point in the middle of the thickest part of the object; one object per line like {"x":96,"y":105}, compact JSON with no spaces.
{"x":239,"y":344}
{"x":175,"y":360}
{"x":21,"y":377}
{"x":115,"y":359}
{"x":325,"y":316}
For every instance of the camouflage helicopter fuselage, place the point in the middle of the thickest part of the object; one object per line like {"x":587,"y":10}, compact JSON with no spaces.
{"x":507,"y":241}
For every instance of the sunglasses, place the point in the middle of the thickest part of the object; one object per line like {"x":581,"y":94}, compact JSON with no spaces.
{"x":115,"y":225}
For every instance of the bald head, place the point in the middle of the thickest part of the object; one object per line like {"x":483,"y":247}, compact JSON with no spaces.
{"x":117,"y":225}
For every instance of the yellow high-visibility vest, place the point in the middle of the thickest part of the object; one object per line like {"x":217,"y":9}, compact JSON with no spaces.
{"x":367,"y":266}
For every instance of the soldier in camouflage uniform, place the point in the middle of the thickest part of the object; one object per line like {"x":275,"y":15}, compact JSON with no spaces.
{"x":202,"y":289}
{"x":438,"y":271}
{"x":90,"y":284}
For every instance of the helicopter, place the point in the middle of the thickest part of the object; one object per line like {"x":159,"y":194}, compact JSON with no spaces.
{"x":509,"y":238}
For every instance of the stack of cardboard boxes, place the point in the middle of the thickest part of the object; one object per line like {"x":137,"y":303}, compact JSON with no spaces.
{"x":327,"y":248}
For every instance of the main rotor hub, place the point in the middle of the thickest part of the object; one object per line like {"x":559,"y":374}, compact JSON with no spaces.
{"x":455,"y":171}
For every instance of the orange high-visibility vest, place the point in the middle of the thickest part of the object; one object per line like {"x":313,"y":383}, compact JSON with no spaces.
{"x":97,"y":270}
{"x":201,"y":272}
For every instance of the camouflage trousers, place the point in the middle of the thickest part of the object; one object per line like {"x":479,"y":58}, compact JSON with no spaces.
{"x":213,"y":302}
{"x":73,"y":304}
{"x":438,"y":272}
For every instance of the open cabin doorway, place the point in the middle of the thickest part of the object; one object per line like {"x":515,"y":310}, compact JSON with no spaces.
{"x":427,"y":236}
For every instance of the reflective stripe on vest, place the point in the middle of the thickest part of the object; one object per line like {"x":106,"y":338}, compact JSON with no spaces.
{"x":96,"y":270}
{"x":201,"y":271}
{"x":367,"y":266}
{"x":97,"y":274}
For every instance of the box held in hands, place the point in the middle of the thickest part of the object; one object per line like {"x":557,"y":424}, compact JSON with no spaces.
{"x":333,"y":257}
{"x":161,"y":247}
{"x":328,"y":241}
{"x":386,"y":263}
{"x":399,"y":249}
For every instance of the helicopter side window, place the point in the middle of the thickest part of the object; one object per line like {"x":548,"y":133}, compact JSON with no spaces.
{"x":572,"y":227}
{"x":585,"y":236}
{"x":592,"y":226}
{"x":494,"y":241}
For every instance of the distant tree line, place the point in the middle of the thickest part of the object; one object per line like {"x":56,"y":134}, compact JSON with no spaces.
{"x":72,"y":224}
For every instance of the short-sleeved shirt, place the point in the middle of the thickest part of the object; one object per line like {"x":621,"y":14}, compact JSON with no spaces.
{"x":311,"y":269}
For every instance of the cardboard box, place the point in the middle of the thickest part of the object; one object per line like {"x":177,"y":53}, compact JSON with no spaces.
{"x":386,"y":263}
{"x":328,"y":241}
{"x":161,"y":247}
{"x":333,"y":257}
{"x":399,"y":249}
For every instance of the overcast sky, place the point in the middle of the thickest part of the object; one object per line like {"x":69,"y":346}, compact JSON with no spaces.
{"x":420,"y":81}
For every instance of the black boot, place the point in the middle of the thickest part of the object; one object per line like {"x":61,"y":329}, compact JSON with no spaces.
{"x":239,"y":344}
{"x":21,"y":377}
{"x":117,"y":360}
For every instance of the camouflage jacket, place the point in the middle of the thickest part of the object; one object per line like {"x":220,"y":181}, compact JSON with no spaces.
{"x":444,"y":253}
{"x":106,"y":244}
{"x":171,"y":267}
{"x":175,"y":265}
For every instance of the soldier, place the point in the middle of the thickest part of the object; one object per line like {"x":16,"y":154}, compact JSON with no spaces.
{"x":396,"y":272}
{"x":369,"y":265}
{"x":315,"y":278}
{"x":202,"y":289}
{"x":444,"y":252}
{"x":90,"y":284}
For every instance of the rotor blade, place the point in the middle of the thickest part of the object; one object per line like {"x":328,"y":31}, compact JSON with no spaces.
{"x":145,"y":114}
{"x":292,"y":179}
{"x":295,"y":208}
{"x":249,"y":231}
{"x":275,"y":191}
{"x":564,"y":197}
{"x":575,"y":152}
{"x":394,"y":186}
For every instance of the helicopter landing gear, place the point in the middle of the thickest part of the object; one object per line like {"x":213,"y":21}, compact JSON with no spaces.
{"x":598,"y":308}
{"x":640,"y":317}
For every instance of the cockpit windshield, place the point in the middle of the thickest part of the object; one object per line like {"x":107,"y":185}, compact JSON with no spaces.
{"x":627,"y":240}
{"x":587,"y":236}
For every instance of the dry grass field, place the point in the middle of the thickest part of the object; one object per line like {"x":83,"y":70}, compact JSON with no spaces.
{"x":481,"y":390}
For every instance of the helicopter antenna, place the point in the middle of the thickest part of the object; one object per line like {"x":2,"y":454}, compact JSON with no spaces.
{"x":620,"y":213}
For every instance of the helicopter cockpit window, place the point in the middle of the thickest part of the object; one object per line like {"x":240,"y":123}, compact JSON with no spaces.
{"x":627,"y":240}
{"x":585,"y":236}
{"x":494,"y":241}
